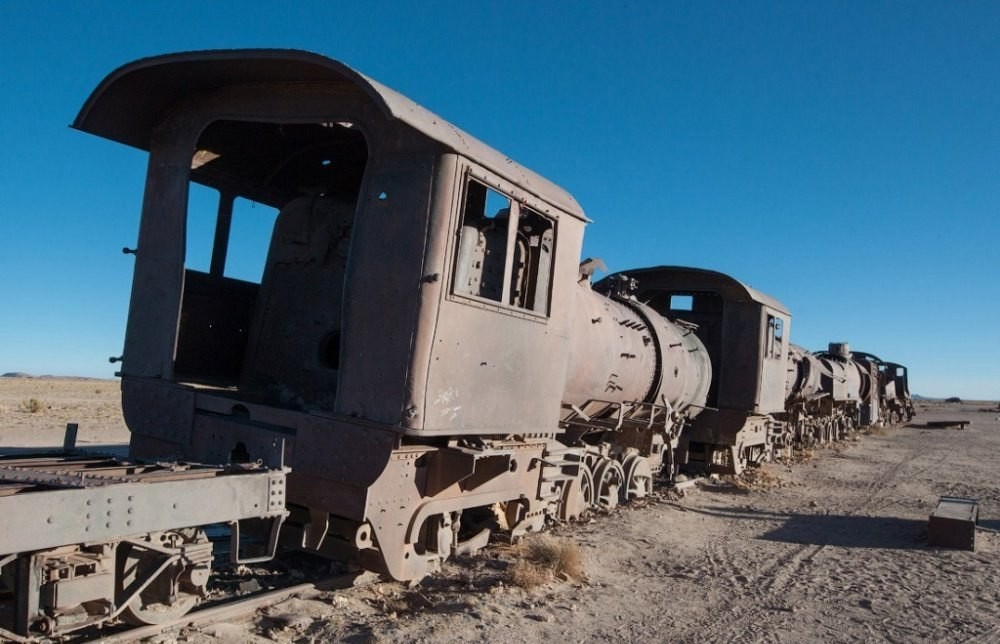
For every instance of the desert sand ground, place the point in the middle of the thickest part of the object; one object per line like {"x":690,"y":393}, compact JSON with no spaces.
{"x":831,"y":547}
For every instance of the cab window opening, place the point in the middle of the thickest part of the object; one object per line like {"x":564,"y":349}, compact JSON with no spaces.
{"x":505,"y":251}
{"x":270,"y":212}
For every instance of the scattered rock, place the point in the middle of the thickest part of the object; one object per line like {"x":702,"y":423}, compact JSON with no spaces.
{"x":366,"y":578}
{"x":225,"y":630}
{"x":249,"y":586}
{"x":290,"y":621}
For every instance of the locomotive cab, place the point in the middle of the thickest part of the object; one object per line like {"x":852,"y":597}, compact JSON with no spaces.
{"x":313,"y":241}
{"x":328,"y":276}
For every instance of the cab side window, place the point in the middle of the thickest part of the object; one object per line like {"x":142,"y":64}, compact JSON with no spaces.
{"x":775,"y":337}
{"x":505,"y":251}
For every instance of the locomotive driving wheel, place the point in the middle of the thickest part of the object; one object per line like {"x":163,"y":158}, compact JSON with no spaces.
{"x":161,"y":577}
{"x":577,"y":497}
{"x":609,"y":478}
{"x":638,"y":478}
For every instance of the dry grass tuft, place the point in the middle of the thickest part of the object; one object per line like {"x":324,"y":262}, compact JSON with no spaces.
{"x":877,"y":430}
{"x":544,"y":559}
{"x":525,"y":574}
{"x":32,"y":405}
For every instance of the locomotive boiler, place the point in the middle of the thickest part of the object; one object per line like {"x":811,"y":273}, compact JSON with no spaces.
{"x":414,"y":358}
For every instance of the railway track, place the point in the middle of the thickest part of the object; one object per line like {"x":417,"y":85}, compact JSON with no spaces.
{"x":228,"y":608}
{"x":237,"y":609}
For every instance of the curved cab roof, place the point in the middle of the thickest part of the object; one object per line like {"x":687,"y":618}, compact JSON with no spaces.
{"x":700,"y":278}
{"x":133,"y":99}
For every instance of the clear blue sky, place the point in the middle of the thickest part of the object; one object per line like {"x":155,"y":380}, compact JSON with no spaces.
{"x":843,"y":157}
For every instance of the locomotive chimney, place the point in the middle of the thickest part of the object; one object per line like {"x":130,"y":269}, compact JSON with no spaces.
{"x":841,"y":350}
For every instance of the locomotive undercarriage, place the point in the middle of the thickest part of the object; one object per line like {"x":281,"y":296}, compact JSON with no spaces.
{"x":416,"y":505}
{"x":820,"y":421}
{"x":90,"y":539}
{"x":729,"y":441}
{"x":625,"y":446}
{"x":433,"y":502}
{"x":897,"y":412}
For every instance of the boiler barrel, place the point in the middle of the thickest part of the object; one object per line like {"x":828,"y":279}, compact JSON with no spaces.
{"x":623,"y":351}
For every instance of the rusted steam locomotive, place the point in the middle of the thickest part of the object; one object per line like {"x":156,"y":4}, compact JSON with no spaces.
{"x":421,"y":359}
{"x":766,"y":394}
{"x":833,"y":392}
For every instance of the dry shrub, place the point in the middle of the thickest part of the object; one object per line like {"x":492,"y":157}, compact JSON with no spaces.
{"x":528,"y":575}
{"x":545,"y":558}
{"x":877,"y":430}
{"x":32,"y":405}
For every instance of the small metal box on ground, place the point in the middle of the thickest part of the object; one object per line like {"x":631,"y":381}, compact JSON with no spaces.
{"x":953,"y":523}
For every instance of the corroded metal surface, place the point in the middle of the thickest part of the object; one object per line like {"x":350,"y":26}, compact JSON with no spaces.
{"x":953,"y":523}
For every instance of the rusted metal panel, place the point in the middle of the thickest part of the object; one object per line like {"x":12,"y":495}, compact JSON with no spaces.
{"x":953,"y":523}
{"x":101,"y":510}
{"x":133,"y":99}
{"x":479,"y":348}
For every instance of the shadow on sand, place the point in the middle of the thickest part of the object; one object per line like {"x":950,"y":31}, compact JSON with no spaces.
{"x":830,"y":529}
{"x":851,"y":531}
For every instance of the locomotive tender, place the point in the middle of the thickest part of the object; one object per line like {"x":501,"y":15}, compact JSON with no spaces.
{"x":420,"y":360}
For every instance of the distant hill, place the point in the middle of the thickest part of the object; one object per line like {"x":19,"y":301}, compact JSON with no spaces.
{"x":21,"y":374}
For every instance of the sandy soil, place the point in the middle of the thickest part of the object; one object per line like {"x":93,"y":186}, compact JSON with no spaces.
{"x":95,"y":405}
{"x":832,"y":547}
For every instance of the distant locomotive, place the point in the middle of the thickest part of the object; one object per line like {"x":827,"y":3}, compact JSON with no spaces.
{"x":834,"y":392}
{"x":766,"y":394}
{"x":421,"y":360}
